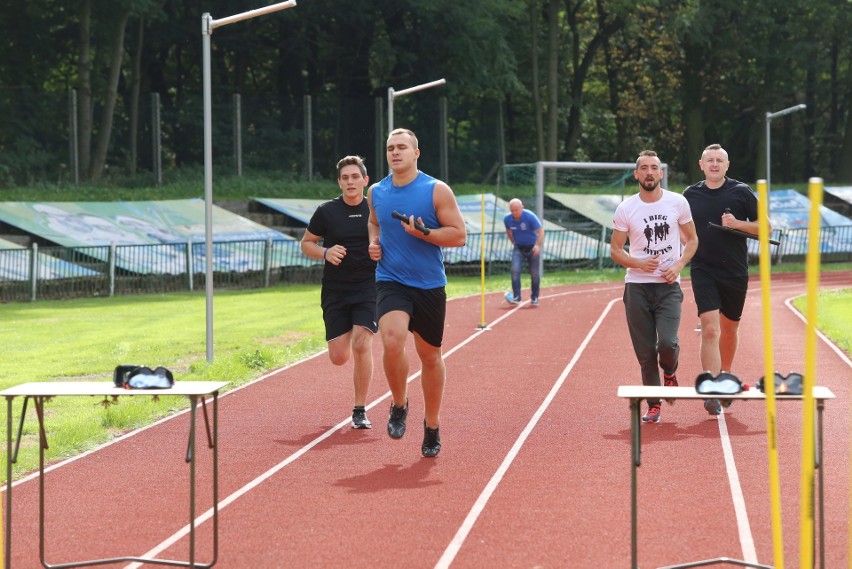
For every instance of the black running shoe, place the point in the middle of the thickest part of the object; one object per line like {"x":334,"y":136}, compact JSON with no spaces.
{"x":431,"y":441}
{"x":713,"y":406}
{"x":396,"y":420}
{"x":359,"y":419}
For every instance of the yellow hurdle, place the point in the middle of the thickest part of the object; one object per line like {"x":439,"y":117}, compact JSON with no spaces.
{"x":806,"y":538}
{"x":769,"y":373}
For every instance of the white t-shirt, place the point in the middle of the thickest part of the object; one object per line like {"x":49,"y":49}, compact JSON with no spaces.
{"x":653,"y":230}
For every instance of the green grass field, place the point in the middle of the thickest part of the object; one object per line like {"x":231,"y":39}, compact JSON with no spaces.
{"x":834,"y":316}
{"x":254,"y":331}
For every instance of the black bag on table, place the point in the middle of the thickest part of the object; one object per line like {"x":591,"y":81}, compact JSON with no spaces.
{"x":791,"y":384}
{"x":142,"y":377}
{"x":723,"y":384}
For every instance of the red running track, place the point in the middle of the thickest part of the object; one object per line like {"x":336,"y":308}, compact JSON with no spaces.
{"x":535,"y":469}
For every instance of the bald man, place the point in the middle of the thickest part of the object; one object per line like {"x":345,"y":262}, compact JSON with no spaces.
{"x":526,"y":233}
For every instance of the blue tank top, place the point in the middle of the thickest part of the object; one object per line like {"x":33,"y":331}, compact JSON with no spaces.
{"x":406,"y":259}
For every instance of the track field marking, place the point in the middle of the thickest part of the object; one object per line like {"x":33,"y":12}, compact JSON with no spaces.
{"x":463,"y":531}
{"x":127,"y":435}
{"x":743,"y":526}
{"x":183,"y":532}
{"x":789,"y":304}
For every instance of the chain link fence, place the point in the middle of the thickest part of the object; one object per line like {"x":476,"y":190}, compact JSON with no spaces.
{"x":299,"y":138}
{"x":42,"y":273}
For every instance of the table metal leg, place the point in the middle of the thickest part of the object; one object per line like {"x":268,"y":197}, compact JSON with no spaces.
{"x":635,"y":462}
{"x":38,"y":402}
{"x":215,"y":445}
{"x":818,"y":455}
{"x":7,"y":553}
{"x":193,"y":401}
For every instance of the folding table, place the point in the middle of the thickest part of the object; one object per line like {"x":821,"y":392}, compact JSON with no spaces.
{"x":637,"y":393}
{"x":41,"y":392}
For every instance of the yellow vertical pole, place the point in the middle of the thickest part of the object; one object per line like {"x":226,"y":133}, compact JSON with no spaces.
{"x":769,"y":373}
{"x":806,"y":537}
{"x":481,"y":265}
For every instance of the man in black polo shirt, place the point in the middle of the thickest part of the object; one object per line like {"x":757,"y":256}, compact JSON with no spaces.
{"x":719,"y":268}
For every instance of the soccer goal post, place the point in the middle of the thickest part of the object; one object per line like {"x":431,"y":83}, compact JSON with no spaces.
{"x":537,"y":178}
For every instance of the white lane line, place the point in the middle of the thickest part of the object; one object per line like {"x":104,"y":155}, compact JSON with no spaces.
{"x":127,"y":435}
{"x":820,"y":335}
{"x":463,"y":531}
{"x":183,"y":532}
{"x":743,"y":526}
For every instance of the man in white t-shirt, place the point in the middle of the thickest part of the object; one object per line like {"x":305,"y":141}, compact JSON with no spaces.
{"x":658,"y":224}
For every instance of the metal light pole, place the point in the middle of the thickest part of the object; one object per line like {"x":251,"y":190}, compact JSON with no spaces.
{"x":208,"y":24}
{"x":769,"y":117}
{"x":394,"y":94}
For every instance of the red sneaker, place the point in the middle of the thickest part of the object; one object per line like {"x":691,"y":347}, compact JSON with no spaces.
{"x":653,"y":414}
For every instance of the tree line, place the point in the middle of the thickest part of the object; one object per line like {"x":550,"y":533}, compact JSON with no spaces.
{"x":584,"y":80}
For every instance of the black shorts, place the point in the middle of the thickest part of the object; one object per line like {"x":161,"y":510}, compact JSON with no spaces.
{"x":344,"y":309}
{"x":427,"y":308}
{"x":715,"y":291}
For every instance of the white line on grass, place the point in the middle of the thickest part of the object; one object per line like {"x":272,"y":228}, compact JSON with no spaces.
{"x":463,"y":531}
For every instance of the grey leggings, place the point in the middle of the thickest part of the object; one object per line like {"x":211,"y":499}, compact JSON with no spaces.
{"x":653,"y":317}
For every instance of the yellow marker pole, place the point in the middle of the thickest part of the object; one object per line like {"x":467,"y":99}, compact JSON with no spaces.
{"x":481,"y":266}
{"x":806,"y":538}
{"x":769,"y":373}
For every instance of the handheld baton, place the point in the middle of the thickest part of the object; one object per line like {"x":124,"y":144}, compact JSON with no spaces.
{"x":402,"y":217}
{"x":738,"y":232}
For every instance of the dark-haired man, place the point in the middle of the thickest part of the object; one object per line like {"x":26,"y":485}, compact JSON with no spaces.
{"x":662,"y":237}
{"x":348,"y":294}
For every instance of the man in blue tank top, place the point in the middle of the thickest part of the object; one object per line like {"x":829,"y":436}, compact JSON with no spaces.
{"x":410,"y":278}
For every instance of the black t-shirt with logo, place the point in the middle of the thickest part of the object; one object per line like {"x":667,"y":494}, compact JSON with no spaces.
{"x":720,"y":250}
{"x":339,"y":223}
